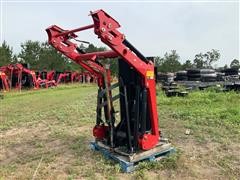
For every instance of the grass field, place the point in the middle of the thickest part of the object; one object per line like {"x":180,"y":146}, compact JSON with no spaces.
{"x":45,"y":135}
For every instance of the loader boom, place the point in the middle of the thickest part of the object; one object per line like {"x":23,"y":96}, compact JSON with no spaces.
{"x":138,"y":128}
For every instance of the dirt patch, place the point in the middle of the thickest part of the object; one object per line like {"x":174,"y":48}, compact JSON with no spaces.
{"x":21,"y":134}
{"x":23,"y":148}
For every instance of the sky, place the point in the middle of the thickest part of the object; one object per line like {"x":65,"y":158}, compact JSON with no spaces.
{"x":153,"y":28}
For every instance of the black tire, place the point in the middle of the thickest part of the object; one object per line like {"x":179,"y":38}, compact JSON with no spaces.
{"x":181,"y":73}
{"x":193,"y":75}
{"x":203,"y":87}
{"x":193,"y":71}
{"x":171,"y":93}
{"x":231,"y":71}
{"x":194,"y":79}
{"x":209,"y":77}
{"x":220,"y":76}
{"x":182,"y":94}
{"x":181,"y":78}
{"x":207,"y":71}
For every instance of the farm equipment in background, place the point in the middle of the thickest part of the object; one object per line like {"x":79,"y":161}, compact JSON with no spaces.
{"x":45,"y":79}
{"x":44,"y":83}
{"x":41,"y":74}
{"x":50,"y":75}
{"x":83,"y":77}
{"x":201,"y":79}
{"x":75,"y":77}
{"x":87,"y":77}
{"x":3,"y":81}
{"x":64,"y":77}
{"x":20,"y":76}
{"x":136,"y":136}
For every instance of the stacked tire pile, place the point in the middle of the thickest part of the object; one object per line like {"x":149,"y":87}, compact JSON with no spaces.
{"x":193,"y":75}
{"x":165,"y":77}
{"x":181,"y":76}
{"x":172,"y":89}
{"x":208,"y":75}
{"x":204,"y":75}
{"x":220,"y":76}
{"x":231,"y":74}
{"x":232,"y":86}
{"x":197,"y":78}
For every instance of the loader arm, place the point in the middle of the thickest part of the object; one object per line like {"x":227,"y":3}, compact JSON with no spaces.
{"x":138,"y":69}
{"x":4,"y":84}
{"x":21,"y":69}
{"x":50,"y":75}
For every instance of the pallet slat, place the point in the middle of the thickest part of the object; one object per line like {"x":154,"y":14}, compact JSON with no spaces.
{"x":128,"y":164}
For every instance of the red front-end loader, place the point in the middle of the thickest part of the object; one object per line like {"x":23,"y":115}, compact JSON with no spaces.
{"x":4,"y":82}
{"x":136,"y":136}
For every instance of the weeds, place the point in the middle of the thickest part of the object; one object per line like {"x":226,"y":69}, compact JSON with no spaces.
{"x":67,"y":114}
{"x":169,"y":162}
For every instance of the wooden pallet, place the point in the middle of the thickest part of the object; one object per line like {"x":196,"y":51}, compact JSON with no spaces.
{"x":129,"y":163}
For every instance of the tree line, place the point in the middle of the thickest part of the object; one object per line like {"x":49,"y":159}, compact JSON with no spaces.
{"x":171,"y":61}
{"x":42,"y":56}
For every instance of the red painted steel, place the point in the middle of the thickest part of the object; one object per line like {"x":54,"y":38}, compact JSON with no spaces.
{"x":18,"y":69}
{"x":5,"y":85}
{"x":50,"y":75}
{"x":106,"y":28}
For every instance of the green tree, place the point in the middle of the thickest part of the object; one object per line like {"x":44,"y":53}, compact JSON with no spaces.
{"x":235,"y":64}
{"x":6,"y":54}
{"x":187,"y":65}
{"x":207,"y":59}
{"x":170,"y":63}
{"x":211,"y":57}
{"x":225,"y":66}
{"x":113,"y":62}
{"x":199,"y":61}
{"x":30,"y":53}
{"x":92,"y":48}
{"x":158,"y":61}
{"x":51,"y":59}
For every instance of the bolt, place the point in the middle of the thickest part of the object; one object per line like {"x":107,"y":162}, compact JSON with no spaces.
{"x":109,"y":25}
{"x":103,"y":29}
{"x":110,"y":38}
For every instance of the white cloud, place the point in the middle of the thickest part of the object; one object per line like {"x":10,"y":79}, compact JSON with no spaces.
{"x":153,"y":28}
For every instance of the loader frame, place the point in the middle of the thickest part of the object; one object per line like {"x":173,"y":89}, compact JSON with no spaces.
{"x":139,"y":128}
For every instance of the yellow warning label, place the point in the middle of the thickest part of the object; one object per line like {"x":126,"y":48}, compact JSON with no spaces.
{"x":150,"y":74}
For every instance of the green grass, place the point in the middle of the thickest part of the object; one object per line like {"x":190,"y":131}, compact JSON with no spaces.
{"x":207,"y":114}
{"x":65,"y":103}
{"x":55,"y":125}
